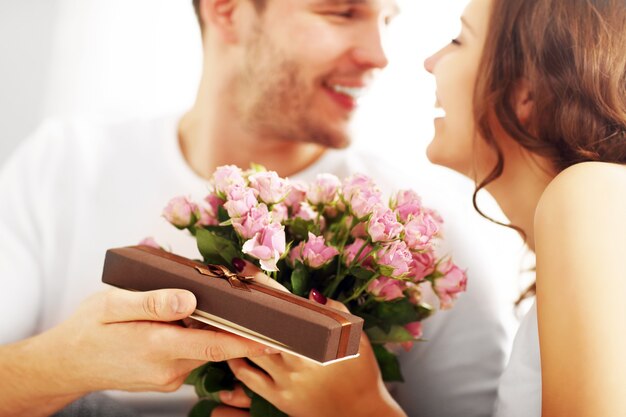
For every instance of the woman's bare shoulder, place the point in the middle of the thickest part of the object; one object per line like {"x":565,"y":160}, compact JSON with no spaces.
{"x":589,"y":188}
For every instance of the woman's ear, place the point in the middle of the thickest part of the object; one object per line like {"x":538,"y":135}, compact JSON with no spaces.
{"x":523,"y":101}
{"x":218,"y":17}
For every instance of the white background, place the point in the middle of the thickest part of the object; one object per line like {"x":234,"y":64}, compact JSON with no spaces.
{"x":122,"y":58}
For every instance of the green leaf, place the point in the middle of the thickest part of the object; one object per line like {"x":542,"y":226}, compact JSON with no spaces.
{"x":396,"y":312}
{"x":300,"y":228}
{"x":397,"y":334}
{"x":260,"y":407}
{"x":362,"y":273}
{"x":388,"y":363}
{"x":203,"y":408}
{"x":217,"y":379}
{"x":196,"y":374}
{"x":300,"y":280}
{"x":222,"y":214}
{"x":214,"y":247}
{"x":386,"y":270}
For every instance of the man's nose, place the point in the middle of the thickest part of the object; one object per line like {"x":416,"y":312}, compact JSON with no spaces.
{"x":370,"y":51}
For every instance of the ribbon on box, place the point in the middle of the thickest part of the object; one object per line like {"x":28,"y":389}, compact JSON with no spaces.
{"x":245,"y":283}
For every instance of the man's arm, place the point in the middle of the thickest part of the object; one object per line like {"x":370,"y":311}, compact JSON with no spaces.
{"x":116,"y":340}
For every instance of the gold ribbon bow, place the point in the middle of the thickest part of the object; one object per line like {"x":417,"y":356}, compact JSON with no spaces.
{"x":219,"y":271}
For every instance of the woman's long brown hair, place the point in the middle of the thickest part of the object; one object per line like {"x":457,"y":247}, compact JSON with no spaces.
{"x":572,"y":55}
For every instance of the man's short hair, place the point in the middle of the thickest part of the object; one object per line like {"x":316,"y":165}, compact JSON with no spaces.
{"x":258,"y":4}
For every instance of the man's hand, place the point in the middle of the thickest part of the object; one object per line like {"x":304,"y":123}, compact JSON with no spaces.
{"x":115,"y":340}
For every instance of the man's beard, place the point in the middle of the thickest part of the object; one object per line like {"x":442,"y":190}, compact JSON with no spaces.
{"x":276,"y":100}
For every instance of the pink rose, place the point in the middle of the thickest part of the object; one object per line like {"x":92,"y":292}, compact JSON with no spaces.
{"x":252,"y":222}
{"x":225,"y":177}
{"x":297,"y":194}
{"x":240,"y":200}
{"x":150,"y":242}
{"x":280,"y":213}
{"x":415,"y":328}
{"x":267,"y":246}
{"x":361,"y":195}
{"x":383,"y":226}
{"x":396,"y":256}
{"x":453,"y":282}
{"x":350,"y":252}
{"x":420,"y":230}
{"x":306,"y":212}
{"x":386,"y":288}
{"x":181,"y":212}
{"x":313,"y":253}
{"x":271,"y":188}
{"x":209,"y":209}
{"x":423,"y":264}
{"x":324,"y":189}
{"x":406,"y":203}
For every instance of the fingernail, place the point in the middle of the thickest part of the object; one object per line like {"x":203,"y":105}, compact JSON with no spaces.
{"x":226,"y":395}
{"x":318,"y":296}
{"x":181,"y":303}
{"x":271,"y":351}
{"x":239,"y":264}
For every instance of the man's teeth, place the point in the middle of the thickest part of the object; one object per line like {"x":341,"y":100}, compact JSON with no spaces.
{"x":439,"y":112}
{"x":354,"y":92}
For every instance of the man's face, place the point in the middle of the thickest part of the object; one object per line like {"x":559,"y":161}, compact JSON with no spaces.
{"x":305,"y":65}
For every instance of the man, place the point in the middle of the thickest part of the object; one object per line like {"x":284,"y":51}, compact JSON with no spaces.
{"x":280,"y":82}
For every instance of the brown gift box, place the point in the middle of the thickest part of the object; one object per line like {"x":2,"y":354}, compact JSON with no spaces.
{"x":253,"y":310}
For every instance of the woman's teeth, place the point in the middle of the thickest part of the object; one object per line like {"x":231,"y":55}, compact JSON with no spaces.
{"x":439,"y":112}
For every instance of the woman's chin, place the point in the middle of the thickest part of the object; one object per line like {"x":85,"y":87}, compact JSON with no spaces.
{"x":442,"y":155}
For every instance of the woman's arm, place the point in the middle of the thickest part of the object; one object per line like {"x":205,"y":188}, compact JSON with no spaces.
{"x":580,"y":229}
{"x":302,"y":388}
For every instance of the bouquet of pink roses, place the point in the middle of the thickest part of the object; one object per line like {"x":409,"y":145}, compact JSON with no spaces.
{"x":336,"y":238}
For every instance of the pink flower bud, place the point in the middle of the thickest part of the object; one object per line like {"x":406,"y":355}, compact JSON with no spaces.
{"x":271,"y":188}
{"x":252,"y":222}
{"x":361,"y":194}
{"x":397,"y":256}
{"x":313,"y":253}
{"x":267,"y":246}
{"x":279,"y":213}
{"x":423,"y":264}
{"x":406,"y":203}
{"x":240,"y":200}
{"x":350,"y":252}
{"x":415,"y":328}
{"x":324,"y":189}
{"x":225,"y":177}
{"x":420,"y":230}
{"x":383,"y":226}
{"x":209,"y":209}
{"x":386,"y":288}
{"x":150,"y":242}
{"x":297,"y":194}
{"x":181,"y":212}
{"x":453,"y":282}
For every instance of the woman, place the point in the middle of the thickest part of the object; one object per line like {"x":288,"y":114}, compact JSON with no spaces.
{"x":534,"y":93}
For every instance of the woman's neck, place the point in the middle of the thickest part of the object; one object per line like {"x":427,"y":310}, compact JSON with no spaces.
{"x":519,"y":189}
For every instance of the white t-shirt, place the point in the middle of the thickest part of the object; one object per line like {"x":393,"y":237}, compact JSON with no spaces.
{"x":519,"y":394}
{"x":74,"y":190}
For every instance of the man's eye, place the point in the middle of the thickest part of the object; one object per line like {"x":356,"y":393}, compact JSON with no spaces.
{"x":342,"y":13}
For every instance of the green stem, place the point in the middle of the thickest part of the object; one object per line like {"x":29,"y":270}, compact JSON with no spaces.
{"x":360,"y":290}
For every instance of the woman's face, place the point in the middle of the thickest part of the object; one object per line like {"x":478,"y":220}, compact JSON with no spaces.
{"x":455,"y":68}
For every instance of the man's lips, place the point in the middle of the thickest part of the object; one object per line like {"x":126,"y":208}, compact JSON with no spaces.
{"x":345,"y":94}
